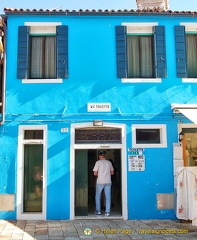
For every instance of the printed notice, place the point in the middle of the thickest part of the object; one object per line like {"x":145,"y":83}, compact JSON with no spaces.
{"x":99,"y":107}
{"x":136,"y":162}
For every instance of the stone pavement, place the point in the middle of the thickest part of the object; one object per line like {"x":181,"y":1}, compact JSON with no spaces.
{"x":96,"y":229}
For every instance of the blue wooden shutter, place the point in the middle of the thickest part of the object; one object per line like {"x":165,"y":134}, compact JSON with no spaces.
{"x":62,"y":51}
{"x":23,"y":49}
{"x":121,"y":51}
{"x":160,"y":51}
{"x":181,"y":57}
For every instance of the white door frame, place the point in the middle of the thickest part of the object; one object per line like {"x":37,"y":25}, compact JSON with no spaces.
{"x":20,"y":171}
{"x":121,"y":146}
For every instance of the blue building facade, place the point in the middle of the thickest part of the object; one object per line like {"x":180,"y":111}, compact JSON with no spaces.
{"x":81,"y":81}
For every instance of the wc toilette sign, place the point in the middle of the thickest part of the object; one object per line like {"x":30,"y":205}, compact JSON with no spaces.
{"x":136,"y":159}
{"x":99,"y":107}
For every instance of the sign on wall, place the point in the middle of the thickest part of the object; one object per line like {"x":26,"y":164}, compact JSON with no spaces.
{"x":136,"y":159}
{"x":99,"y":107}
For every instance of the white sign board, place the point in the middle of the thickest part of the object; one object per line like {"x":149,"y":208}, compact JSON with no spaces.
{"x":99,"y":107}
{"x":136,"y":162}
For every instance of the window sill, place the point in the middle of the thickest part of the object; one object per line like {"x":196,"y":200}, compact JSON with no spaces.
{"x":141,"y":80}
{"x":59,"y":80}
{"x":189,"y":80}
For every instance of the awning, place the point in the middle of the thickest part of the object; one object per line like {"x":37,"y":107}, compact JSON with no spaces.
{"x":188,"y":110}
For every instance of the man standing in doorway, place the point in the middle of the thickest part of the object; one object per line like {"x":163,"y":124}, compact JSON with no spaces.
{"x":103,"y":169}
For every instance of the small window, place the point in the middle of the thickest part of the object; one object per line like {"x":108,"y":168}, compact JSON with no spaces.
{"x":149,"y":135}
{"x":33,"y":134}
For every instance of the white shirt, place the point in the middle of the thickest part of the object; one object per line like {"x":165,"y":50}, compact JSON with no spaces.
{"x":103,"y":167}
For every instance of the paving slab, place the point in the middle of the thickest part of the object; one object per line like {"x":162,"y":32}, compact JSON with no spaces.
{"x":97,"y":229}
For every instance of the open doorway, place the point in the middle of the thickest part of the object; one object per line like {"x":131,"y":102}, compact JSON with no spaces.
{"x":85,"y":182}
{"x":189,"y":144}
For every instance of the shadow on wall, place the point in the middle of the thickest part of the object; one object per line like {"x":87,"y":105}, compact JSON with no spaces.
{"x":56,"y":146}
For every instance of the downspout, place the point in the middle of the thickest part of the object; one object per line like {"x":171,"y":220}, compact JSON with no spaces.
{"x":4,"y":18}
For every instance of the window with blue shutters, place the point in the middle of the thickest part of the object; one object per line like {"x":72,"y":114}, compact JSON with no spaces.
{"x":186,"y":50}
{"x":140,"y":56}
{"x":141,"y":52}
{"x":42,"y":55}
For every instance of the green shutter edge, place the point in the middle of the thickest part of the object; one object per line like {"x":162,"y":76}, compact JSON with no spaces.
{"x":160,"y":58}
{"x":181,"y":62}
{"x":22,"y":56}
{"x":62,"y":57}
{"x":121,"y":51}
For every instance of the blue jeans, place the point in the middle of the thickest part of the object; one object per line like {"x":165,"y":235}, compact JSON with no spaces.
{"x":107,"y":190}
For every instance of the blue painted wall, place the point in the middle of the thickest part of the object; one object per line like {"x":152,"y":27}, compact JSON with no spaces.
{"x":92,"y":78}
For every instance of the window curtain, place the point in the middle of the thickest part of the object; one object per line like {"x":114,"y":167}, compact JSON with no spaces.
{"x":191,"y":42}
{"x":50,"y":57}
{"x":36,"y":57}
{"x":43,"y":57}
{"x":140,"y":56}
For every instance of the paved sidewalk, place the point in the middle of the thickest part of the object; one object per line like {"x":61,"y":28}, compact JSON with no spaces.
{"x":98,"y":229}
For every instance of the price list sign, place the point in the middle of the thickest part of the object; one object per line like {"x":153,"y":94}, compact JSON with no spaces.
{"x":136,"y":159}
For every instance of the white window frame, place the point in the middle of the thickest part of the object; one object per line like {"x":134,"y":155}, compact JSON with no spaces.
{"x":140,"y":27}
{"x":189,"y":27}
{"x":42,"y":28}
{"x":20,"y":178}
{"x":163,"y":137}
